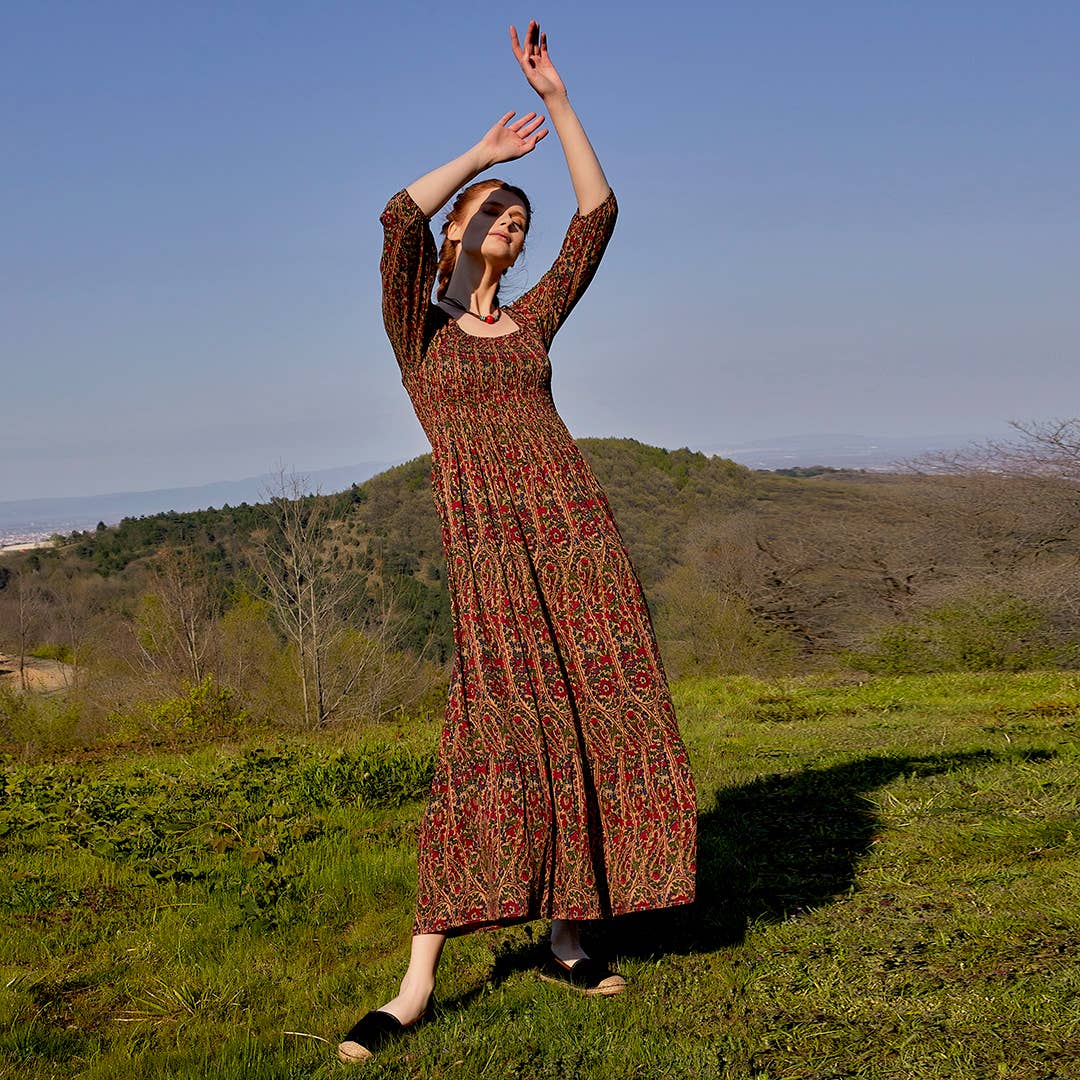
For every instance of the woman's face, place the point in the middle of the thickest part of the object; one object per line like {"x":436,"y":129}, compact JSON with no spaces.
{"x":494,"y":228}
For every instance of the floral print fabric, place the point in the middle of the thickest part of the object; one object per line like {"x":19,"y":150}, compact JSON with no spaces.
{"x":562,"y":787}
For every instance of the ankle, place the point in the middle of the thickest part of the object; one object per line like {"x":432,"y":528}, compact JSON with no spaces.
{"x":567,"y":948}
{"x":565,"y":934}
{"x":418,"y":983}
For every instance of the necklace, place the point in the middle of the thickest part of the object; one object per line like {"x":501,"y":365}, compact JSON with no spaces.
{"x":484,"y":318}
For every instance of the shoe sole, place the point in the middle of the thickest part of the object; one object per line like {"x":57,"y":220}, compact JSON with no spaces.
{"x":351,"y":1053}
{"x":591,"y":991}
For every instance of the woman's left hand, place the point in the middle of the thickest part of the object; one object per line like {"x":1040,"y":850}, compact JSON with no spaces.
{"x":535,"y":62}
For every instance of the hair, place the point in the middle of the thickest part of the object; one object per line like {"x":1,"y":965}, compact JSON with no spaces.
{"x":448,"y":254}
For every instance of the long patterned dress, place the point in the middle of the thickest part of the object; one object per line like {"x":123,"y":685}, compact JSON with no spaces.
{"x":562,"y":787}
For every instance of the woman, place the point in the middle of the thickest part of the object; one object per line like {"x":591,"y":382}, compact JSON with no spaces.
{"x":561,"y":787}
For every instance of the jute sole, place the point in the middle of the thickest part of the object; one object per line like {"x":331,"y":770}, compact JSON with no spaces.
{"x":351,"y":1053}
{"x":613,"y":984}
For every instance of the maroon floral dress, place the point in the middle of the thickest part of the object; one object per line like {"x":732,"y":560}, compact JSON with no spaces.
{"x":562,"y":787}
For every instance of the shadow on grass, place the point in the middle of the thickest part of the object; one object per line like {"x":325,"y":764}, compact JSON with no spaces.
{"x":777,"y":846}
{"x":768,"y":849}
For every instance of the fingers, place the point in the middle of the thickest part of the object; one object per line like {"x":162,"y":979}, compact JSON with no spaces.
{"x":524,"y":120}
{"x":530,"y":144}
{"x":527,"y":130}
{"x":527,"y":53}
{"x":523,"y":130}
{"x":514,"y":43}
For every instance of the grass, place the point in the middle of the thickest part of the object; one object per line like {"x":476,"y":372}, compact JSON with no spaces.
{"x":888,"y":876}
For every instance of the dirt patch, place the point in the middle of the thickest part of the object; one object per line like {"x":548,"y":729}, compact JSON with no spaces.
{"x":42,"y":676}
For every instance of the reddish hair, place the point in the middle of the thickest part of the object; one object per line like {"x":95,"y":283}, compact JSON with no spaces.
{"x":448,"y":254}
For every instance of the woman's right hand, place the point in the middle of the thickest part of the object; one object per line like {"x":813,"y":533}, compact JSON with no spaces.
{"x":506,"y":141}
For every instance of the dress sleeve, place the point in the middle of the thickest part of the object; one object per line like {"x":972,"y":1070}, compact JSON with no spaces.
{"x":546,"y":305}
{"x":408,"y":266}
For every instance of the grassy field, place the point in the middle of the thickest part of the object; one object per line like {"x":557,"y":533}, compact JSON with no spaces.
{"x":888,"y":888}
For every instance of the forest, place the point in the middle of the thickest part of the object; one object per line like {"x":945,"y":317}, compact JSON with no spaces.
{"x":312,"y":610}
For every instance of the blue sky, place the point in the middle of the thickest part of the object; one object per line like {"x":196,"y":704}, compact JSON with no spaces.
{"x":833,"y":218}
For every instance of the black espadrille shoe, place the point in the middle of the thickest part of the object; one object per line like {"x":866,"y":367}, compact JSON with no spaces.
{"x":586,"y":976}
{"x":372,"y":1032}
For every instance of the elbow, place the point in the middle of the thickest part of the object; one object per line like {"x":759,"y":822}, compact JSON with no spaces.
{"x":607,"y":201}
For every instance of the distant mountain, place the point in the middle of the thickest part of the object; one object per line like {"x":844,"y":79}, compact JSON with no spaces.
{"x":29,"y":518}
{"x":876,"y":453}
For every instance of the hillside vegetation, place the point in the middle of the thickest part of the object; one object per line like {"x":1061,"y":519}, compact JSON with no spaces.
{"x":745,"y":572}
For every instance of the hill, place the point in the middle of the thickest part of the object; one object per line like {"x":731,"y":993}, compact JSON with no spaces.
{"x":745,"y":571}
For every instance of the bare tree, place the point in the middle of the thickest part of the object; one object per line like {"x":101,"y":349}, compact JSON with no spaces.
{"x":75,"y":608}
{"x":1046,"y":448}
{"x":832,"y":568}
{"x":346,"y":644}
{"x":1025,"y":492}
{"x":375,"y":672}
{"x":288,"y":566}
{"x":22,"y":618}
{"x":177,"y":614}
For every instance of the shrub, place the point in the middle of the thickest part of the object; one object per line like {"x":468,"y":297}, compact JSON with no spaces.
{"x":995,"y":631}
{"x":200,"y":707}
{"x":62,"y":653}
{"x":34,"y":722}
{"x":706,"y":631}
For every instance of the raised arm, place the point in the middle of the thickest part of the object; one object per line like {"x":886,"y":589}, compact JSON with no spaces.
{"x":409,"y":263}
{"x":590,"y":184}
{"x":504,"y":141}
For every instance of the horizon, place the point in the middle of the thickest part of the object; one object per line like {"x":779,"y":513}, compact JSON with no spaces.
{"x":769,"y":443}
{"x":36,"y":519}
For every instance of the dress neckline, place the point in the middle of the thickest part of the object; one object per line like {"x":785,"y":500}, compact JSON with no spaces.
{"x":484,"y":337}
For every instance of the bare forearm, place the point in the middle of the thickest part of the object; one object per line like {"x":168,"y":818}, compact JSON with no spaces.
{"x":432,"y":191}
{"x":590,"y":184}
